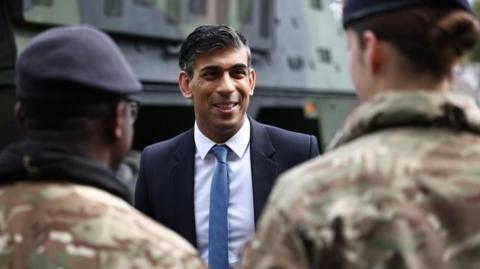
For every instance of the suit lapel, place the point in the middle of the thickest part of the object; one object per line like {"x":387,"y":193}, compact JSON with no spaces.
{"x":263,"y":164}
{"x":183,"y":188}
{"x":264,"y":172}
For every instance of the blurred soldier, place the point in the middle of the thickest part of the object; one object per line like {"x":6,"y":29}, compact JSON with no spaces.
{"x":401,"y":186}
{"x":61,"y":205}
{"x":211,"y":182}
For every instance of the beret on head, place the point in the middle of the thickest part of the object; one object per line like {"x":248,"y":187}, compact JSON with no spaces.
{"x":358,"y":9}
{"x":73,"y":60}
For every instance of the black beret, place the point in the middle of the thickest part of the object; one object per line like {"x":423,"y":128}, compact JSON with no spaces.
{"x":359,"y":9}
{"x":63,"y":60}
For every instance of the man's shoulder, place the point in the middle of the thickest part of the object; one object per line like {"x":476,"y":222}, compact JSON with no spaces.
{"x":329,"y":173}
{"x":290,"y":148}
{"x":170,"y":145}
{"x":376,"y":160}
{"x":278,"y":132}
{"x":89,"y":223}
{"x":282,"y":137}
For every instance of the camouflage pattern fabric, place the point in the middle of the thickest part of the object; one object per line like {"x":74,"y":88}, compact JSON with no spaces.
{"x":400,"y":189}
{"x":54,"y":225}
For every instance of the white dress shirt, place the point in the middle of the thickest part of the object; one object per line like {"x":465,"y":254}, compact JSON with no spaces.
{"x":241,"y":223}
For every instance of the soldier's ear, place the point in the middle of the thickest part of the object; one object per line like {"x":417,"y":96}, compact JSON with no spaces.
{"x":114,"y":124}
{"x":121,"y":119}
{"x":184,"y":84}
{"x":372,"y":52}
{"x":20,"y":116}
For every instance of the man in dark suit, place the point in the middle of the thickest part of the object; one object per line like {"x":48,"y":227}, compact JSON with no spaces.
{"x":181,"y":179}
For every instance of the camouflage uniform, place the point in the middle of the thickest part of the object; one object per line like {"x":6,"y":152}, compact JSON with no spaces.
{"x":402,"y":191}
{"x":60,"y":223}
{"x":49,"y":225}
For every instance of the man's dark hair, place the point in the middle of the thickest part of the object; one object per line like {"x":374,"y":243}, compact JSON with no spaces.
{"x":208,"y":38}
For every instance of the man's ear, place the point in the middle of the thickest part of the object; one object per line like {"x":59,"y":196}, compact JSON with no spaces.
{"x":114,"y":124}
{"x":20,"y":116}
{"x":252,"y":77}
{"x":184,"y":85}
{"x":373,"y":52}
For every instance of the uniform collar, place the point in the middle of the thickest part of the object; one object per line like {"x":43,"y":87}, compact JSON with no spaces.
{"x":410,"y":109}
{"x":36,"y":161}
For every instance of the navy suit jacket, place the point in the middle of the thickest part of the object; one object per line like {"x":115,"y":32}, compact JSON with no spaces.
{"x":165,"y":186}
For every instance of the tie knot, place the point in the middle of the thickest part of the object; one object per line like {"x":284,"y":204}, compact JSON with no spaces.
{"x":220,"y":152}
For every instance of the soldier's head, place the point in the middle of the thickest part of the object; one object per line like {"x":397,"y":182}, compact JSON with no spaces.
{"x":402,"y":44}
{"x":73,"y":85}
{"x":216,"y":72}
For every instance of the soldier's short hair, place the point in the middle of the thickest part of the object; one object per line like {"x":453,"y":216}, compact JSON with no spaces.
{"x":208,"y":38}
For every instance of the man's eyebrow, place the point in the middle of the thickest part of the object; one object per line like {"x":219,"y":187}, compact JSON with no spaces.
{"x":216,"y":67}
{"x":210,"y":67}
{"x":239,"y":66}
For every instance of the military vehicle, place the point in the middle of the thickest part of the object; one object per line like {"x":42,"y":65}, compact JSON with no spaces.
{"x":298,"y":48}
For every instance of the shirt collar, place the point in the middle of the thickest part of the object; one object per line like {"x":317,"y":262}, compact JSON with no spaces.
{"x":237,"y":143}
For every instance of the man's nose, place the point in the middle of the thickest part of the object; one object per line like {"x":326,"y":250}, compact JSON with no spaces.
{"x":227,"y":84}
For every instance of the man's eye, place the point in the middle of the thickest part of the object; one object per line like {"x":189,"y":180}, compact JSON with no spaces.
{"x":209,"y":74}
{"x":239,"y":73}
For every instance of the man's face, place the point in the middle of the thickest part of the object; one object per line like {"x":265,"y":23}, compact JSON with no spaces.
{"x":221,"y":87}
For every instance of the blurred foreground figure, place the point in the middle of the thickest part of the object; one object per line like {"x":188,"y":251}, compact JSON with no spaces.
{"x":400,"y":187}
{"x":61,"y":205}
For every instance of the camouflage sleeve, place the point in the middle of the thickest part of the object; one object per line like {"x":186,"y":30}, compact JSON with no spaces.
{"x":193,"y":262}
{"x":321,"y":220}
{"x":278,"y":243}
{"x":46,"y":225}
{"x":189,"y":261}
{"x":357,"y":226}
{"x":283,"y":237}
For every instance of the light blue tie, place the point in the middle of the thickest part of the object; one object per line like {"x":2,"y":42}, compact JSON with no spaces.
{"x":218,"y":223}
